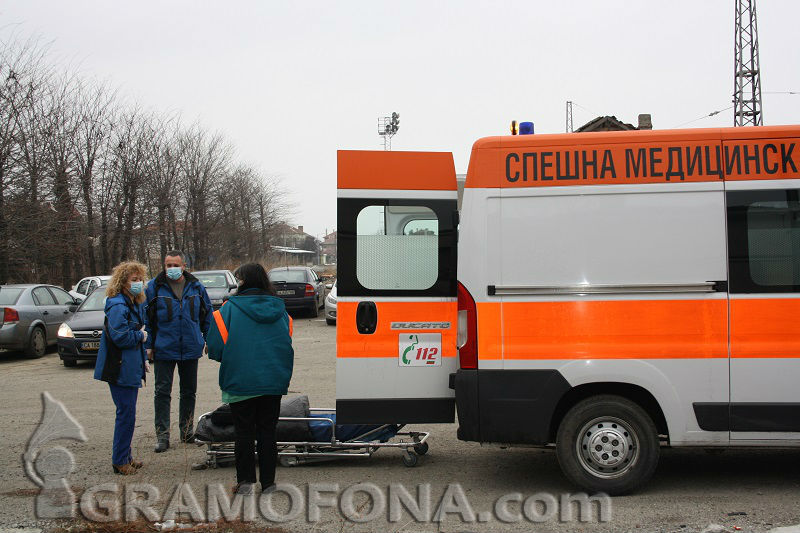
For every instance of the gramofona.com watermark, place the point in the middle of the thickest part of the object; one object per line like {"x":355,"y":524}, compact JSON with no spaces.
{"x":49,"y":467}
{"x":358,"y":503}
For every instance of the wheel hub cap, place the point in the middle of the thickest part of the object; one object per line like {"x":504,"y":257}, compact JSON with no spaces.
{"x":607,"y":447}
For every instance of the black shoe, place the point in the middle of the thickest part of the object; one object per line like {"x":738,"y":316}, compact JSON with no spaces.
{"x":267,"y":489}
{"x":244,"y":488}
{"x":188,"y":439}
{"x":162,"y":446}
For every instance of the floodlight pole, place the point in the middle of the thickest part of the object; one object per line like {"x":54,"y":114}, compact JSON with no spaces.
{"x":387,"y":128}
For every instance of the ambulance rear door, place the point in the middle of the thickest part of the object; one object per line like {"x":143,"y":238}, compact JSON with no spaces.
{"x":397,"y":304}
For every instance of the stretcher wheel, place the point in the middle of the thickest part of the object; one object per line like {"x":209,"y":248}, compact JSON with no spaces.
{"x":410,"y":459}
{"x":421,"y":448}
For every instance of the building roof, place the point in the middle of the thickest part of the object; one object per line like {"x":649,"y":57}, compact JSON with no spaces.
{"x":607,"y":123}
{"x":286,"y":229}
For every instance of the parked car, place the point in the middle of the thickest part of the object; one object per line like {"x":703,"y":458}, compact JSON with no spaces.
{"x":30,"y":316}
{"x":79,"y":336}
{"x":220,"y":284}
{"x":330,"y":305}
{"x":87,"y":285}
{"x":299,"y":287}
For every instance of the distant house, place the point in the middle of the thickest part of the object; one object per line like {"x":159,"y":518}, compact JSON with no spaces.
{"x":612,"y":123}
{"x":294,"y":246}
{"x":289,"y":236}
{"x":328,"y":249}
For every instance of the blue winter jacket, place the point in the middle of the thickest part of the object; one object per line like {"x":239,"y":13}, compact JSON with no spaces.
{"x":177,"y":324}
{"x":258,"y":357}
{"x":121,"y":357}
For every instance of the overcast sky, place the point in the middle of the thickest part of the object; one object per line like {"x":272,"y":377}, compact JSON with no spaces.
{"x":291,"y":82}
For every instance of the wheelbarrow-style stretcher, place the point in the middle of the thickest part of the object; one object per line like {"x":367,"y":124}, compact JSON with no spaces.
{"x":311,"y":437}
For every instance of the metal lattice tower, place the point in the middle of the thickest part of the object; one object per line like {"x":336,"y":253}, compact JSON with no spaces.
{"x":746,"y":70}
{"x":570,"y":129}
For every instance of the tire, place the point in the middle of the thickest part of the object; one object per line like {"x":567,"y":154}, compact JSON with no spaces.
{"x":313,"y":312}
{"x":69,"y":362}
{"x":330,"y":321}
{"x":37,"y":344}
{"x":595,"y":422}
{"x":421,"y":448}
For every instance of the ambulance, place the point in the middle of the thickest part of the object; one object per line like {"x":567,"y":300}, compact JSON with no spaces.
{"x":607,"y":294}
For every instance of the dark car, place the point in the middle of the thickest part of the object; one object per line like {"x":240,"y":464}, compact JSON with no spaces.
{"x":220,"y":284}
{"x":30,"y":316}
{"x":79,"y":337}
{"x":299,"y":287}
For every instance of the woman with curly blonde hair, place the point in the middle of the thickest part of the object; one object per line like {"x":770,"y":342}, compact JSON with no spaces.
{"x":121,"y":360}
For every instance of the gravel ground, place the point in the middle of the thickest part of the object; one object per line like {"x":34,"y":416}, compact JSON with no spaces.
{"x":691,"y":491}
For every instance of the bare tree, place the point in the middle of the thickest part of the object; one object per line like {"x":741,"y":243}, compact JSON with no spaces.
{"x":61,"y":126}
{"x":20,"y":64}
{"x":95,"y":106}
{"x":205,"y":160}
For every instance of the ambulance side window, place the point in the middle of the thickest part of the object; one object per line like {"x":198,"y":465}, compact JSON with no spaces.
{"x":764,"y":241}
{"x":397,"y":247}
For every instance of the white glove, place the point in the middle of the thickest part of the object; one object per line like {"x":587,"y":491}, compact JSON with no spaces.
{"x":144,"y":332}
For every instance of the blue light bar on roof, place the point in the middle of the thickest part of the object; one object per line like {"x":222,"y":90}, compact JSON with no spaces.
{"x":526,"y":128}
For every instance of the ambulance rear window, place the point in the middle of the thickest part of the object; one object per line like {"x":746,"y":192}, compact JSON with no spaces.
{"x":397,"y":247}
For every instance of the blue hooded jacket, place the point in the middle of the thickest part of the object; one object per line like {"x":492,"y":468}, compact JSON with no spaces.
{"x":177,"y":324}
{"x":121,"y":357}
{"x":257,"y":358}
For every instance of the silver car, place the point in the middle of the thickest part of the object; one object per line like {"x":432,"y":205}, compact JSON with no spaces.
{"x":330,"y":306}
{"x":30,"y":316}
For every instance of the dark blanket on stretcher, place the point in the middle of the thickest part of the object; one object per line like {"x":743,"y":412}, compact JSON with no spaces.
{"x":218,"y":425}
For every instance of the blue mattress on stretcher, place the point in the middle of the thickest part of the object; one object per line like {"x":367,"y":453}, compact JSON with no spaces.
{"x":321,"y":430}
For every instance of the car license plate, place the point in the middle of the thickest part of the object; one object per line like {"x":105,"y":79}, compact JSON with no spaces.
{"x":285,"y":293}
{"x":92,"y":346}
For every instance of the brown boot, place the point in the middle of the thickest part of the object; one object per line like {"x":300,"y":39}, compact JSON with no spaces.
{"x":136,"y":464}
{"x":125,"y":470}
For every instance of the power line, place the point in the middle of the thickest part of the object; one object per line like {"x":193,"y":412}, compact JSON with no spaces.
{"x":576,"y":104}
{"x":713,"y":113}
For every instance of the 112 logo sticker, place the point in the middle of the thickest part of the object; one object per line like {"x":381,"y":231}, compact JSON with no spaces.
{"x":420,"y":349}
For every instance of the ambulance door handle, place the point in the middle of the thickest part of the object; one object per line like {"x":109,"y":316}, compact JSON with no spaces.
{"x":366,"y":318}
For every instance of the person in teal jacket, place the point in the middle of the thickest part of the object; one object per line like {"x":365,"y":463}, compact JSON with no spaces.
{"x":121,"y":360}
{"x":251,"y":338}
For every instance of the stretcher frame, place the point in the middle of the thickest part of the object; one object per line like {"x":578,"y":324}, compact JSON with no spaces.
{"x":290,"y":453}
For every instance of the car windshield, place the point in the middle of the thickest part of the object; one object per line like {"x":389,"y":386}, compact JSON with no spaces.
{"x":95,"y":302}
{"x":287,"y":276}
{"x":9,"y":295}
{"x":213,"y":281}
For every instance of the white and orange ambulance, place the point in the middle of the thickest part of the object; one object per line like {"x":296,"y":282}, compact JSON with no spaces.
{"x":607,"y":293}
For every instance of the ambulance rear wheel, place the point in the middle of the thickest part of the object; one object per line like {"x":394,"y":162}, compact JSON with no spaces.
{"x":607,"y":444}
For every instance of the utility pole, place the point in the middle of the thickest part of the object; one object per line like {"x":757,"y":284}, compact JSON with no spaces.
{"x":569,"y":117}
{"x":746,"y":69}
{"x":387,"y":128}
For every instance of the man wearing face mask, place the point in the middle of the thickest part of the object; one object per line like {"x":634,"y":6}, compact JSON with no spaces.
{"x":178,"y":318}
